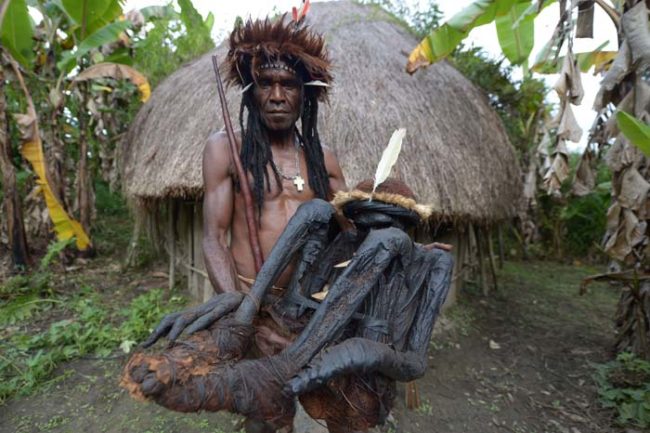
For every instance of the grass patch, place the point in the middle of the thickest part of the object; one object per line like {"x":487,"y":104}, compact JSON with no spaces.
{"x":91,"y":326}
{"x":543,"y":287}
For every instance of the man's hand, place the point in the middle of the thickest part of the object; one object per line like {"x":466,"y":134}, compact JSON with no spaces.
{"x":195,"y":318}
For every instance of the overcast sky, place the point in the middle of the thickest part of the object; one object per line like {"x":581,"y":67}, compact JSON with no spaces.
{"x":225,"y":13}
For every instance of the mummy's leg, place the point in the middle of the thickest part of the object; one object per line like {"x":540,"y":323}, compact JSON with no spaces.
{"x":361,"y":355}
{"x":374,"y":256}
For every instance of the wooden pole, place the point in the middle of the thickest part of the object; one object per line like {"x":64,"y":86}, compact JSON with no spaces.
{"x":460,"y":264}
{"x":253,"y":237}
{"x":493,"y":270}
{"x":412,"y":396}
{"x":171,"y":238}
{"x":502,"y":256}
{"x":481,"y":261}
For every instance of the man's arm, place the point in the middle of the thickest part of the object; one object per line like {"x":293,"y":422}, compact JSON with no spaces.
{"x":218,"y":205}
{"x":337,"y":181}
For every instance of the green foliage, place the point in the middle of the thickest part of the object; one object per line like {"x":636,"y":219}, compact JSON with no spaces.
{"x":515,"y":35}
{"x":573,"y":227}
{"x":23,"y":296}
{"x":144,"y":313}
{"x":624,"y":385}
{"x":417,"y":21}
{"x":173,"y":40}
{"x":154,"y":55}
{"x":515,"y":28}
{"x":53,"y":250}
{"x":94,"y":13}
{"x":520,"y":104}
{"x":584,"y":221}
{"x":102,"y":36}
{"x":114,"y":224}
{"x":516,"y":32}
{"x":16,"y":32}
{"x":151,"y":13}
{"x":93,"y":327}
{"x":635,"y":131}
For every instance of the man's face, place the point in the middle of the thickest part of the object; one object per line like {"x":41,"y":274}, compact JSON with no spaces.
{"x":278,"y":94}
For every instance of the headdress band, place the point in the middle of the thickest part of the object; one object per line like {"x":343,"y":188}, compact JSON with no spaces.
{"x":278,"y":66}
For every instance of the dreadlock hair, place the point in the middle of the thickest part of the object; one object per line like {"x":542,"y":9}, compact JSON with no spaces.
{"x":256,"y":152}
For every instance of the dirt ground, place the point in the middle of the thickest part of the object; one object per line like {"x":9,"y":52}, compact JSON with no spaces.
{"x":517,"y":361}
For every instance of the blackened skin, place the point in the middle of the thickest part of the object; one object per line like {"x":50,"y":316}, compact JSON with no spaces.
{"x":372,"y":329}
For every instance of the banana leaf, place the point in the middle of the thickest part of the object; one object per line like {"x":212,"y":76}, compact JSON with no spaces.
{"x":16,"y":32}
{"x":516,"y":36}
{"x":635,"y":130}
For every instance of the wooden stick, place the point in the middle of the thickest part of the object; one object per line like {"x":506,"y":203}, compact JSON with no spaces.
{"x":253,"y":237}
{"x":171,"y":238}
{"x":412,"y":396}
{"x":502,"y":254}
{"x":481,"y":260}
{"x":488,"y":234}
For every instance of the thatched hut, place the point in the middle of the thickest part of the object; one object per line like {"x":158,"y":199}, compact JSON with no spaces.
{"x":456,"y":155}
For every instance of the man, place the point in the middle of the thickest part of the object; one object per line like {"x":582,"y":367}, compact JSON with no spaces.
{"x":273,"y":62}
{"x":275,"y":156}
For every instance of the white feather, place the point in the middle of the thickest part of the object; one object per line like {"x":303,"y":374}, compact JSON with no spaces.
{"x":317,"y":83}
{"x":248,"y":86}
{"x":389,"y":157}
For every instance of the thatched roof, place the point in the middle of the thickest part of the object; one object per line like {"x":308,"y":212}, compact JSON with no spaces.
{"x":456,"y":155}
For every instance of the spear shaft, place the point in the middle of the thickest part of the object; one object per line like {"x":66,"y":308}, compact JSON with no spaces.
{"x":253,"y":237}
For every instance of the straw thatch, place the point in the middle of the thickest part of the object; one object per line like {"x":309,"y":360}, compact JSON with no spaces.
{"x":456,"y":155}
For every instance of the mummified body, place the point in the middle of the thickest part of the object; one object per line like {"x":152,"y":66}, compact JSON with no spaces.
{"x":371,"y":329}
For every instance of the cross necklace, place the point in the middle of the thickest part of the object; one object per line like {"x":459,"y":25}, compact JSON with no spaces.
{"x":298,"y":181}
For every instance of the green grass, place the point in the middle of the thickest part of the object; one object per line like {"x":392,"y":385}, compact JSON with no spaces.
{"x":89,"y":324}
{"x":544,"y":287}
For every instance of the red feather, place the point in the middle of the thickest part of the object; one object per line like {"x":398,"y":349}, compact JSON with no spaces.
{"x":294,"y":13}
{"x":304,"y":8}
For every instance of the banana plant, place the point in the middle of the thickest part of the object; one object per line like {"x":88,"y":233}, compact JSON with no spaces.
{"x":635,"y":130}
{"x":87,"y":25}
{"x":514,"y":21}
{"x":17,"y":30}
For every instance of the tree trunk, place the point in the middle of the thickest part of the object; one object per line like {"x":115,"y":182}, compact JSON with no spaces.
{"x":84,"y":185}
{"x":11,"y":201}
{"x":55,"y":154}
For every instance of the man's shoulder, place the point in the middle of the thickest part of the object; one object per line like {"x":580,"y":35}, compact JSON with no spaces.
{"x":328,"y":152}
{"x":218,"y":144}
{"x":217,"y":141}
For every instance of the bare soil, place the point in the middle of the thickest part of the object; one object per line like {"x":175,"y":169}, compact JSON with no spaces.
{"x":518,"y":361}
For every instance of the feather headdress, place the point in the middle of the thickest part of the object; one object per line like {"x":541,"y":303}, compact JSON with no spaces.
{"x":256,"y":42}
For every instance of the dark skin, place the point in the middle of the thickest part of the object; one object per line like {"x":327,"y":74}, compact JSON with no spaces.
{"x":279,"y":95}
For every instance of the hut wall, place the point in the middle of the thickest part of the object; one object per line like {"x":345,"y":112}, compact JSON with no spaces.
{"x":189,"y":252}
